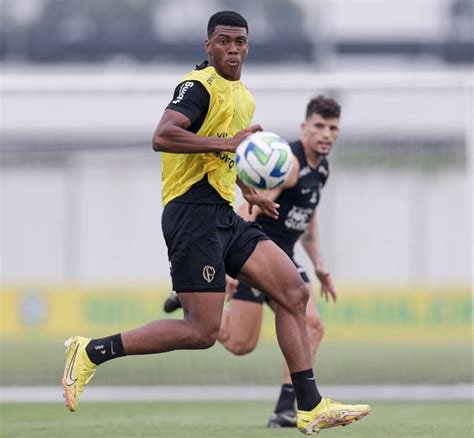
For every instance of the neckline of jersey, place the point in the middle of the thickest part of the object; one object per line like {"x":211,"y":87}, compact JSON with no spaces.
{"x":205,"y":64}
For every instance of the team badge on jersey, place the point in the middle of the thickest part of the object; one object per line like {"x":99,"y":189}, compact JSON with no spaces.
{"x":208,"y":273}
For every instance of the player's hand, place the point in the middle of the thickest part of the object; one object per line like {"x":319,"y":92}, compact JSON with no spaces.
{"x":327,"y":286}
{"x":242,"y":135}
{"x":266,"y":205}
{"x":230,"y":286}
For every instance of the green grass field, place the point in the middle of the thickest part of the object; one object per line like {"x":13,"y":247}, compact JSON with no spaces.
{"x":368,"y":363}
{"x":217,"y":419}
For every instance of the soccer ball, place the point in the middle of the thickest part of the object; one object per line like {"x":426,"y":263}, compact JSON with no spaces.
{"x":263,"y":160}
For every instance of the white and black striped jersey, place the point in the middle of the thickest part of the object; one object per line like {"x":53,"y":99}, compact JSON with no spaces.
{"x":297,"y":203}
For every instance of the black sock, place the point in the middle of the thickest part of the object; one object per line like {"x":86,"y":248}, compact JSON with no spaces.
{"x":286,"y":402}
{"x":104,"y":349}
{"x":307,"y":394}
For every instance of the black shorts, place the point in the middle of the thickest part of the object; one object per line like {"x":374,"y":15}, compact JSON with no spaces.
{"x":206,"y":241}
{"x":246,"y":293}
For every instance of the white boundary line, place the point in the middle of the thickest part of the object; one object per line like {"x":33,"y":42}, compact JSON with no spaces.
{"x":463,"y":391}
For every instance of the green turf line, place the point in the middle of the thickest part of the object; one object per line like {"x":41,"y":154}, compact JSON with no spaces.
{"x":217,"y":419}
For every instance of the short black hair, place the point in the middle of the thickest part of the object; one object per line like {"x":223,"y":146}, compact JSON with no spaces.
{"x":326,"y":107}
{"x":226,"y":18}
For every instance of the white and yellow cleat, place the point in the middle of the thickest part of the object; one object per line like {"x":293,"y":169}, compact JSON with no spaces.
{"x":78,"y":371}
{"x":329,"y":413}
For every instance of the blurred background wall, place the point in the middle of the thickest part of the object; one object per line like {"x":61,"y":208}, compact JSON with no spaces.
{"x":96,"y":75}
{"x":83,"y":85}
{"x":326,"y":32}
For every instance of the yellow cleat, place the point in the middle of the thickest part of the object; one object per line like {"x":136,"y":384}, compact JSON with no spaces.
{"x":329,"y":413}
{"x":78,"y":371}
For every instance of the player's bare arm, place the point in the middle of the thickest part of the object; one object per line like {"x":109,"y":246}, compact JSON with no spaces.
{"x":171,"y":136}
{"x":255,"y":198}
{"x":311,"y":244}
{"x":250,"y":211}
{"x":230,"y":286}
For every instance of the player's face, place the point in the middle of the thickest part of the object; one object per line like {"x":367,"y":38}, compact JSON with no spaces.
{"x":320,"y":134}
{"x":227,"y":48}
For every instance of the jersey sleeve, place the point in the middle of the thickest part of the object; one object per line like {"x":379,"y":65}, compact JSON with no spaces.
{"x":191,"y":99}
{"x":323,"y":171}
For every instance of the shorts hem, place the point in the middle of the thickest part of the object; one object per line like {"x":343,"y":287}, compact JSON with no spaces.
{"x":192,"y":289}
{"x":241,"y":262}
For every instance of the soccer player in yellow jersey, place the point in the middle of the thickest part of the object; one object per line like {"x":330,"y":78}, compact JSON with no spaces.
{"x":208,"y":117}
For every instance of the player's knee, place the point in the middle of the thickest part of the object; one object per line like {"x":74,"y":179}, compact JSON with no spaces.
{"x":203,"y":339}
{"x":315,"y":327}
{"x":297,"y":298}
{"x":240,"y":348}
{"x":224,"y":335}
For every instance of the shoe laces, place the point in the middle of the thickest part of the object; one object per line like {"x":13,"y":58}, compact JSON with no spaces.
{"x":333,"y":402}
{"x":332,"y":407}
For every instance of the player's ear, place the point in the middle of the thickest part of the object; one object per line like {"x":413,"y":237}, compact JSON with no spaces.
{"x":207,"y":46}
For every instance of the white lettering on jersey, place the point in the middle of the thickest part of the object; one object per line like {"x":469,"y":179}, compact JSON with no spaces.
{"x":322,"y":169}
{"x":182,"y":91}
{"x":298,"y":218}
{"x":305,"y":171}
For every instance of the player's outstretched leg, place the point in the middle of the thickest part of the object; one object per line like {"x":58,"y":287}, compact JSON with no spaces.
{"x":329,"y":413}
{"x":78,"y":371}
{"x":281,"y":281}
{"x":197,"y":330}
{"x":172,"y":302}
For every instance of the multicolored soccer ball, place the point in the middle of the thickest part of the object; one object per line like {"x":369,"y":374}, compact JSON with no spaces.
{"x":264,"y":160}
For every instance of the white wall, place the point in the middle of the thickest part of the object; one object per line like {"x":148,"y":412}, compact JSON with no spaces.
{"x":56,"y":102}
{"x":98,"y":218}
{"x":99,"y":221}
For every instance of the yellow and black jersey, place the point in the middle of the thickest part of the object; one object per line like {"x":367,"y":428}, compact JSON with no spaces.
{"x":216,"y":107}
